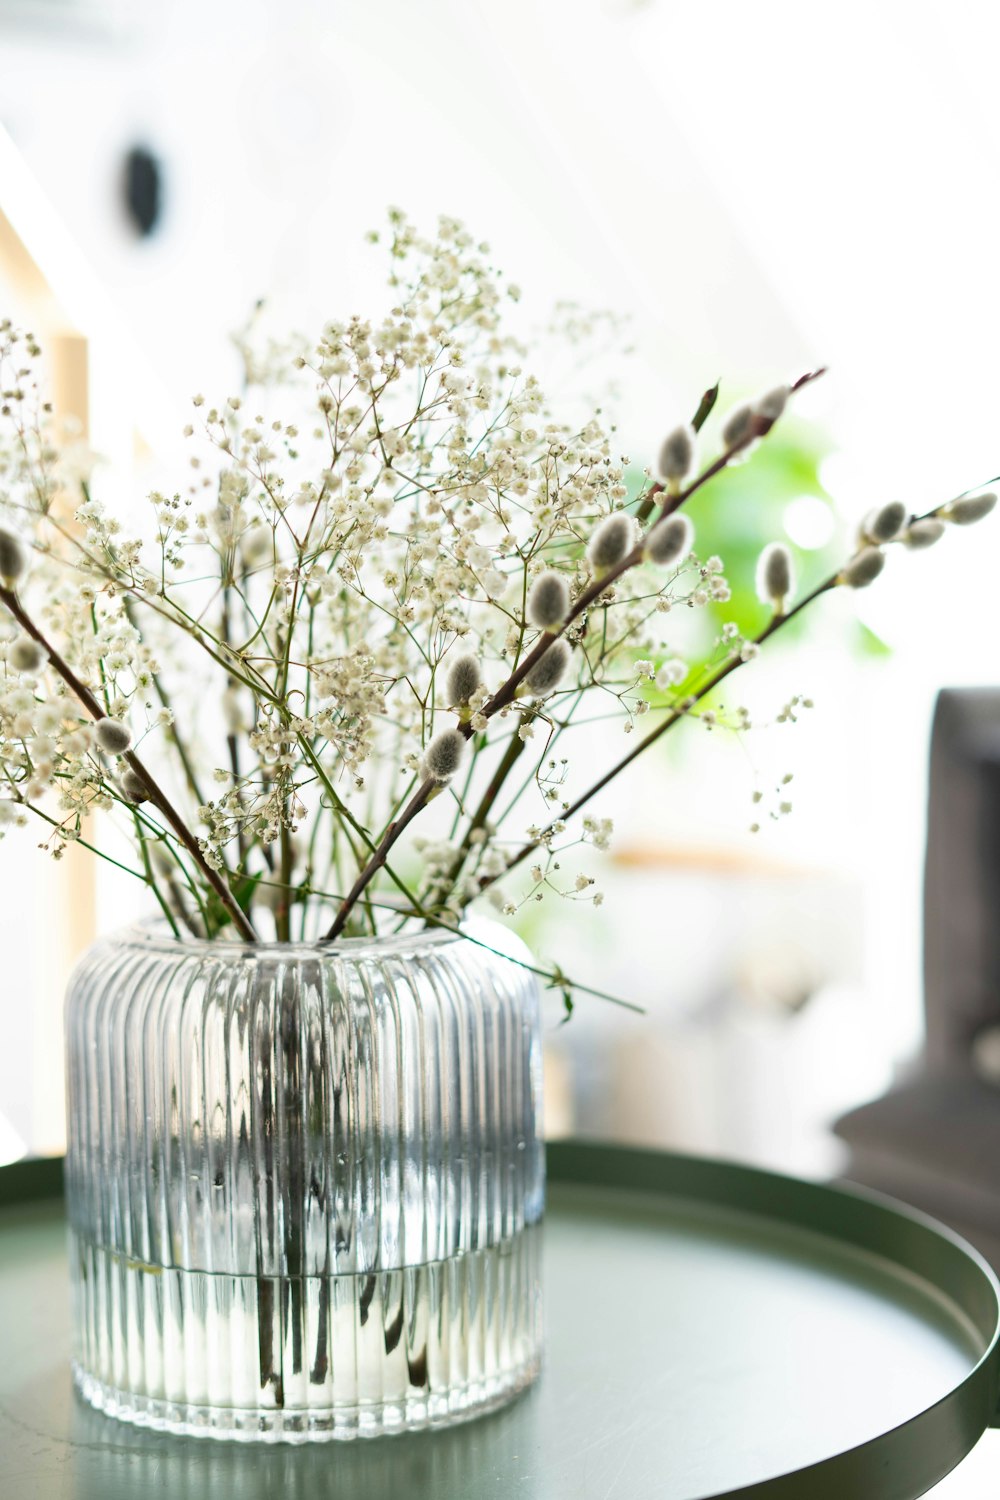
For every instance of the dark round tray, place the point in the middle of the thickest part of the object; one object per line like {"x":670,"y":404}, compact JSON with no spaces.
{"x":713,"y":1331}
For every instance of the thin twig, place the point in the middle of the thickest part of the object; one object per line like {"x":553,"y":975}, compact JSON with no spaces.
{"x":156,"y":794}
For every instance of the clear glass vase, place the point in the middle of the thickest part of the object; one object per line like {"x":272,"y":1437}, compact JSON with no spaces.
{"x":305,"y":1184}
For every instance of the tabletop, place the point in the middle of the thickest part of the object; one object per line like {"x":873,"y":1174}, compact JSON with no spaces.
{"x":712,"y":1331}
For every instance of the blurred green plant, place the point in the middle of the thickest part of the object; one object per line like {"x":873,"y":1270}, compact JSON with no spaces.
{"x":746,"y":507}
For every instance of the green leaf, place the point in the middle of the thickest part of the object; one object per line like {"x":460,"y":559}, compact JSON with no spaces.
{"x":871,"y":644}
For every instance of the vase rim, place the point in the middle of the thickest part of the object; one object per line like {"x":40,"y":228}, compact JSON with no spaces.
{"x":154,"y":933}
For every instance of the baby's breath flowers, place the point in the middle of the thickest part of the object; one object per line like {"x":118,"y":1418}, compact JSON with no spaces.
{"x":339,"y":678}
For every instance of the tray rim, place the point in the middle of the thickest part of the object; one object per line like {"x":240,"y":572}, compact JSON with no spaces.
{"x":899,"y":1464}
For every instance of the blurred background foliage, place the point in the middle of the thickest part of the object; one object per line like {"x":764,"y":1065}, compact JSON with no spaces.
{"x":776,"y":494}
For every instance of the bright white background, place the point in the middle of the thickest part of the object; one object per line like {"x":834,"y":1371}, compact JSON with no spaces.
{"x":758,"y":188}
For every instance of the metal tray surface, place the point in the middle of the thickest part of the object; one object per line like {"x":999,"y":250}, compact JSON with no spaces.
{"x":713,"y":1331}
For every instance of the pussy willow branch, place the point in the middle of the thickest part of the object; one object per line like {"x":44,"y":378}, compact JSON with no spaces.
{"x":443,"y":884}
{"x":705,"y":408}
{"x":514,"y":749}
{"x":674,"y":717}
{"x":505,"y":695}
{"x":157,"y":796}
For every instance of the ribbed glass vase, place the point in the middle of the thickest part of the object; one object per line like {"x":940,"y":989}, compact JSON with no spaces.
{"x":305,"y":1184}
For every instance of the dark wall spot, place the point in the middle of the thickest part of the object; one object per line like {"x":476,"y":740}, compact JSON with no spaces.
{"x":142,"y":184}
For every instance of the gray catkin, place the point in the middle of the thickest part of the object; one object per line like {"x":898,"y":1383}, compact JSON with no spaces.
{"x":611,"y":540}
{"x":670,"y":540}
{"x":26,"y":655}
{"x":775,"y":574}
{"x":736,"y":427}
{"x":887,"y":522}
{"x":547,"y":673}
{"x":921,"y":534}
{"x":677,"y":455}
{"x":134,"y":787}
{"x":971,"y":508}
{"x":773,"y":402}
{"x":443,"y":755}
{"x":548,"y":601}
{"x":464,"y":677}
{"x":113,"y":736}
{"x":13,"y":558}
{"x":863,"y":568}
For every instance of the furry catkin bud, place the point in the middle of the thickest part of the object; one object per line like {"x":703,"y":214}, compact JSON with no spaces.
{"x":464,"y":677}
{"x":677,"y":455}
{"x":134,"y":787}
{"x":13,"y":558}
{"x":773,"y":402}
{"x":670,"y":540}
{"x":547,"y":673}
{"x":443,"y":755}
{"x":863,"y":568}
{"x":26,"y":655}
{"x":113,"y":736}
{"x":548,"y":601}
{"x":923,"y":533}
{"x":738,"y":424}
{"x":885,"y":524}
{"x":970,"y":508}
{"x":775,"y":575}
{"x":611,"y":540}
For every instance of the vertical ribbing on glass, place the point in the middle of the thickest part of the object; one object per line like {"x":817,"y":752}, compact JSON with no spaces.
{"x":304,"y":1186}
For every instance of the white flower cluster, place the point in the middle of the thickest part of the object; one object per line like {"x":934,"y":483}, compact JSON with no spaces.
{"x":392,"y":579}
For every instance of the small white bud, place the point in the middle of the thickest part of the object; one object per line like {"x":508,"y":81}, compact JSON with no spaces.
{"x":671,"y":674}
{"x":738,"y":424}
{"x":134,"y":787}
{"x":26,"y":655}
{"x":863,"y":568}
{"x":548,"y":601}
{"x":113,"y":736}
{"x":775,"y":575}
{"x":885,"y":524}
{"x":464,"y":677}
{"x":669,"y":540}
{"x":970,"y":508}
{"x":611,"y":541}
{"x":923,"y":533}
{"x":773,"y":402}
{"x":677,"y":455}
{"x":13,"y":558}
{"x":443,"y":755}
{"x":547,"y":673}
